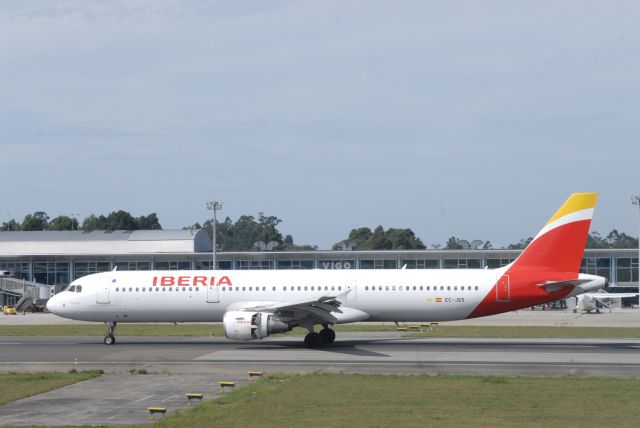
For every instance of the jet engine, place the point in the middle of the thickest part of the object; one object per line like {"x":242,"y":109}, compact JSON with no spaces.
{"x":239,"y":325}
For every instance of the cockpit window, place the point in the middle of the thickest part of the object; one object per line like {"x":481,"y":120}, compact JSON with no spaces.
{"x":78,"y":288}
{"x":72,"y":288}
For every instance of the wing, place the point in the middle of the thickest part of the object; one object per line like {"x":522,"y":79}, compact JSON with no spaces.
{"x":326,"y":309}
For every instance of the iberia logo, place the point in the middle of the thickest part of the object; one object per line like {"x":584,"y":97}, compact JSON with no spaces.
{"x":187,"y":280}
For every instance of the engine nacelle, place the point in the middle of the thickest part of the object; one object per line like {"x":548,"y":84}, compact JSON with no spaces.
{"x":240,"y":325}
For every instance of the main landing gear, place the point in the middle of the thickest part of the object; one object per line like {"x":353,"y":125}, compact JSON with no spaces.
{"x":324,"y":337}
{"x":110,"y":339}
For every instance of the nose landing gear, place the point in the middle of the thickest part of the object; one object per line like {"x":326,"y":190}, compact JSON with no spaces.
{"x":110,"y":339}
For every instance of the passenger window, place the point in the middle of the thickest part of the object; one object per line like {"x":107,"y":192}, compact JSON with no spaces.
{"x":157,"y":289}
{"x":393,"y":288}
{"x":184,"y":288}
{"x":442,"y":288}
{"x":284,"y":288}
{"x":476,"y":288}
{"x":144,"y":289}
{"x":164,"y":289}
{"x":250,"y":288}
{"x":462,"y":288}
{"x":455,"y":288}
{"x":299,"y":288}
{"x":366,"y":288}
{"x":130,"y":288}
{"x":170,"y":289}
{"x":333,"y":288}
{"x":265,"y":288}
{"x":414,"y":288}
{"x":224,"y":288}
{"x":339,"y":288}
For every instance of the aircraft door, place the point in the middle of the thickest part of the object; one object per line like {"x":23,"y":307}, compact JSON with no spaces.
{"x":103,"y":293}
{"x":213,"y":294}
{"x":503,"y":290}
{"x":353,"y":286}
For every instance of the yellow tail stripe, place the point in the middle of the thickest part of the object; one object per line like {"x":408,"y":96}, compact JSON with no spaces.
{"x":575,"y":202}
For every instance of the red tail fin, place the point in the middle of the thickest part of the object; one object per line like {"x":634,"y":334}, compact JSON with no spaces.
{"x":559,"y":246}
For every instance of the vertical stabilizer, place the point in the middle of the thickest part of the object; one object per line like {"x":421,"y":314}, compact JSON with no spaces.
{"x":559,"y":246}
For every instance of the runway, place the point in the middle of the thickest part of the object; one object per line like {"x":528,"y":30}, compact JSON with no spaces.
{"x":352,"y":352}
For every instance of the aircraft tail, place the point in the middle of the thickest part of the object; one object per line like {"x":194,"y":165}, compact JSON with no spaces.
{"x":559,"y":246}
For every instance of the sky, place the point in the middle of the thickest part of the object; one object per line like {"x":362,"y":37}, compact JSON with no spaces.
{"x":468,"y":118}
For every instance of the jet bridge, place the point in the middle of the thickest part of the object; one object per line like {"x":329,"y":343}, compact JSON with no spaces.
{"x":20,"y":293}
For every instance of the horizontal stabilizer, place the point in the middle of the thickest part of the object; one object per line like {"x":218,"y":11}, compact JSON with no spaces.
{"x":551,"y":286}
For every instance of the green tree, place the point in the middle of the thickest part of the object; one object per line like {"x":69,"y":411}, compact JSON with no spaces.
{"x":268,"y":229}
{"x":404,"y":239}
{"x":363,"y":238}
{"x":63,"y":222}
{"x":594,"y":240}
{"x":149,"y":222}
{"x":121,"y":220}
{"x":524,"y":243}
{"x":92,"y":222}
{"x":452,"y":244}
{"x":10,"y":225}
{"x":36,"y":221}
{"x":621,"y":240}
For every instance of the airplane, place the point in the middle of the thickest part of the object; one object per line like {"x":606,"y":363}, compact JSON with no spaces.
{"x":588,"y":302}
{"x":256,"y":304}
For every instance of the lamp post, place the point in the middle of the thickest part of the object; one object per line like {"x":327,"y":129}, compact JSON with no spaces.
{"x":635,"y":200}
{"x":214,"y":206}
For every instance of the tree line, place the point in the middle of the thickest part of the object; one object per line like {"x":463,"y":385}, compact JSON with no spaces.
{"x":251,"y":233}
{"x":116,"y":220}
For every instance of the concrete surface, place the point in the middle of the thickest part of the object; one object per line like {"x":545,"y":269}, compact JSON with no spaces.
{"x":352,"y":352}
{"x":113,"y":399}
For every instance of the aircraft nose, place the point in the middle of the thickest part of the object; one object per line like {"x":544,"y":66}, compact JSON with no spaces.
{"x":55,"y":304}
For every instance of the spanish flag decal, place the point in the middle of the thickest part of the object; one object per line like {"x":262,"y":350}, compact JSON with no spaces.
{"x":438,"y":299}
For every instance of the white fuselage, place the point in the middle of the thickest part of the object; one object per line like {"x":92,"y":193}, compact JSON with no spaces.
{"x":189,"y":296}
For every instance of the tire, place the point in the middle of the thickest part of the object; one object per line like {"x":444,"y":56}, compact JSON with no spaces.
{"x":327,"y":335}
{"x":312,"y":340}
{"x":109,"y":339}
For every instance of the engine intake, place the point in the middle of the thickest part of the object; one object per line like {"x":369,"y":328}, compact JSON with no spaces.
{"x":239,"y":325}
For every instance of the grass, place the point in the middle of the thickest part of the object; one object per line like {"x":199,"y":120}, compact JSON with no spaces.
{"x":337,"y":400}
{"x":199,"y":330}
{"x":15,"y":386}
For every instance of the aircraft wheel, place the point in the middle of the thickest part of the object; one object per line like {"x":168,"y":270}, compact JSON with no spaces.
{"x":327,"y":335}
{"x":312,"y":340}
{"x":109,"y":339}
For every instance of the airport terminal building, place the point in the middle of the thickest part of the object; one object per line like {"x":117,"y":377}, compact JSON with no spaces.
{"x":57,"y":258}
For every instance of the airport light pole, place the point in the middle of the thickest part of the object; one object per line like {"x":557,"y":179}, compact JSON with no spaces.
{"x":214,"y":206}
{"x":635,"y":200}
